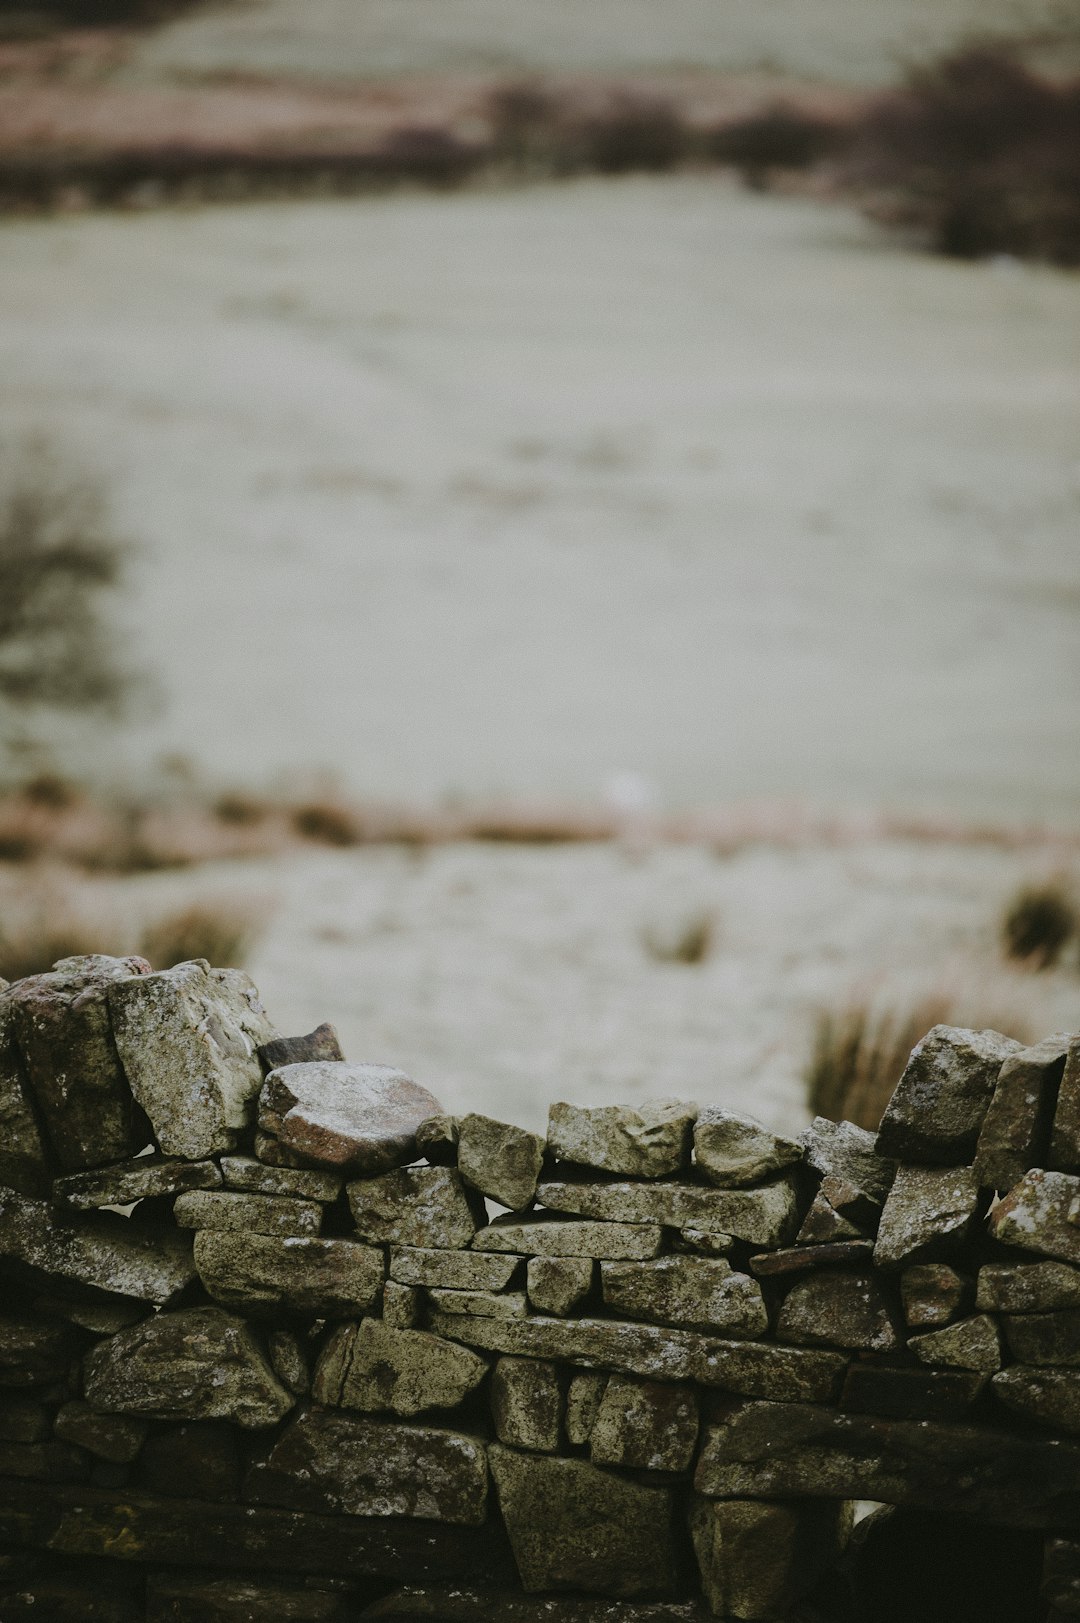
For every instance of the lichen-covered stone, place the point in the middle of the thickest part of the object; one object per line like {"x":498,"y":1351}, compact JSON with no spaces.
{"x":196,"y":1598}
{"x":501,"y":1161}
{"x":646,"y":1141}
{"x":702,"y":1293}
{"x":98,"y":1311}
{"x":901,"y":1393}
{"x":1049,"y":1396}
{"x":933,"y":1294}
{"x":1039,"y":1214}
{"x":437,"y":1140}
{"x":402,"y":1306}
{"x":488,"y":1304}
{"x":575,"y":1526}
{"x":937,"y":1109}
{"x":258,"y":1273}
{"x":1027,"y":1287}
{"x":144,"y":1177}
{"x":113,"y":1437}
{"x":233,"y":1212}
{"x":824,"y":1225}
{"x":452,"y":1270}
{"x":583,"y":1398}
{"x":187,"y":1037}
{"x":559,"y":1285}
{"x":801,"y":1259}
{"x":254,"y":1177}
{"x":767,"y":1215}
{"x":471,"y":1603}
{"x":107,"y":1251}
{"x":24,"y":1155}
{"x":374,"y":1368}
{"x":198,"y":1364}
{"x":973,"y":1343}
{"x":928,"y":1215}
{"x":347,"y":1466}
{"x":289,"y":1361}
{"x":757,"y":1560}
{"x":1015,"y":1132}
{"x":733,"y":1151}
{"x":361,"y":1119}
{"x":527,"y":1404}
{"x":417,"y":1206}
{"x":320,"y":1044}
{"x":645,"y":1426}
{"x":63,"y":1029}
{"x":272,"y":1153}
{"x":751,"y":1368}
{"x":1044,"y":1338}
{"x":840,"y":1149}
{"x":1064,"y":1152}
{"x":548,"y":1235}
{"x":837,"y":1310}
{"x":703,"y":1242}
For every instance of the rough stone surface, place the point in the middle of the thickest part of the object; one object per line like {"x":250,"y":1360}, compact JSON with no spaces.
{"x":257,"y":1273}
{"x":112,"y":1437}
{"x":145,"y":1177}
{"x":974,"y":1344}
{"x":402,"y":1306}
{"x":701,"y":1293}
{"x":647,"y":1141}
{"x":583,"y":1398}
{"x":187,"y":1038}
{"x":910,"y":1394}
{"x":320,"y":1044}
{"x":177,"y":1598}
{"x":937,"y":1109}
{"x":198,"y":1364}
{"x":356,"y":1118}
{"x":1061,"y":1575}
{"x":928,"y":1215}
{"x":32,"y":1353}
{"x":824,"y":1225}
{"x":574,"y":1526}
{"x":1027,"y":1287}
{"x":645,"y":1426}
{"x":372,"y":1367}
{"x":63,"y":1029}
{"x":559,"y":1285}
{"x":416,"y":1206}
{"x":465,"y":1603}
{"x":766,"y":1450}
{"x":107,"y":1251}
{"x":733,"y":1151}
{"x":756,"y":1560}
{"x":233,"y":1212}
{"x":24,"y":1156}
{"x":1038,"y":1215}
{"x":288,"y":1360}
{"x":501,"y":1161}
{"x":551,"y":1236}
{"x":1015,"y":1133}
{"x":527,"y":1404}
{"x":837,"y":1310}
{"x":800,"y":1259}
{"x":437,"y":1140}
{"x":751,"y":1368}
{"x":272,"y":1153}
{"x":488,"y":1304}
{"x":453,"y":1270}
{"x":90,"y":1309}
{"x":1049,"y":1396}
{"x":842,"y":1150}
{"x":1064,"y":1153}
{"x":328,"y":1461}
{"x":704,"y":1242}
{"x":933,"y":1294}
{"x":253,"y":1177}
{"x":767,"y":1215}
{"x":1044,"y":1338}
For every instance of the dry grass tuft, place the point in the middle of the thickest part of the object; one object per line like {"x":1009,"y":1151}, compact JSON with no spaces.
{"x":1038,"y":923}
{"x":220,"y":932}
{"x":687,"y":942}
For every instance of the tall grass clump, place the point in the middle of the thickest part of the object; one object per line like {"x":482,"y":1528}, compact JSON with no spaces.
{"x":1038,"y":923}
{"x":222,"y":933}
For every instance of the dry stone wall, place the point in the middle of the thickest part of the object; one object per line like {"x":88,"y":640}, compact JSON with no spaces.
{"x":281,"y":1339}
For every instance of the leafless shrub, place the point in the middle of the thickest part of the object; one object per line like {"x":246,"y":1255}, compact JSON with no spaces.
{"x":688,"y":941}
{"x":778,"y":138}
{"x":1038,"y":923}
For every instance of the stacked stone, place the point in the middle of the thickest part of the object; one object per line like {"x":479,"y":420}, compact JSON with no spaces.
{"x":266,"y":1350}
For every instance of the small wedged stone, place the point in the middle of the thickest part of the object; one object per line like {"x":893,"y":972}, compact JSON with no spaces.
{"x":254,"y":1177}
{"x":933,"y":1294}
{"x":703,"y":1242}
{"x":183,"y":1598}
{"x":645,"y":1426}
{"x":824,"y":1225}
{"x":1038,"y":1214}
{"x":402,"y":1306}
{"x":973,"y":1344}
{"x":145,"y":1177}
{"x":374,"y":1368}
{"x":501,"y":1161}
{"x":767,"y":1215}
{"x":289,"y":1361}
{"x":197,"y":1364}
{"x":549,"y":1235}
{"x":258,"y":1273}
{"x":1027,"y":1287}
{"x":583,"y":1398}
{"x":113,"y":1437}
{"x":757,"y":1560}
{"x":1064,"y":1153}
{"x":24,"y":1154}
{"x":488,"y":1304}
{"x":1049,"y":1396}
{"x":928,"y":1216}
{"x":187,"y":1038}
{"x":1044,"y":1338}
{"x":910,"y":1394}
{"x":271,"y":1153}
{"x":840,"y":1149}
{"x":837,"y":1310}
{"x":452,"y":1270}
{"x":527,"y":1404}
{"x":437,"y":1140}
{"x":750,"y":1368}
{"x":110,"y":1252}
{"x":801,"y":1259}
{"x":646,"y":1141}
{"x":558,"y":1285}
{"x":359,"y":1119}
{"x":701,"y":1293}
{"x":1015,"y":1133}
{"x":320,"y":1044}
{"x":420,"y":1206}
{"x":575,"y":1526}
{"x":229,"y":1211}
{"x":939,"y":1104}
{"x":466,"y":1603}
{"x":347,"y":1466}
{"x":733,"y":1151}
{"x":64,"y":1031}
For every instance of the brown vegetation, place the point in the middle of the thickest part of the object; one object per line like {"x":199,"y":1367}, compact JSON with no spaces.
{"x":1038,"y":923}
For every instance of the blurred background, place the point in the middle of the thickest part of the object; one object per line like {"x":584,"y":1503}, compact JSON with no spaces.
{"x":548,"y":533}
